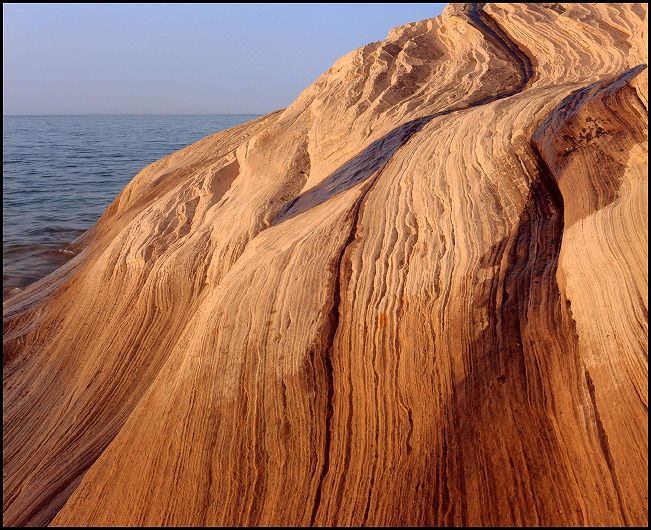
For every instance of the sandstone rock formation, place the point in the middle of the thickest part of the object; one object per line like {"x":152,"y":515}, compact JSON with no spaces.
{"x":416,"y":296}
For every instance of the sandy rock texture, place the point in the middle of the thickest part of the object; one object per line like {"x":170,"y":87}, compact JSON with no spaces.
{"x":415,"y":296}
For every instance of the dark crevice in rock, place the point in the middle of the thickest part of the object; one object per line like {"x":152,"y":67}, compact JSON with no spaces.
{"x":605,"y":447}
{"x":491,"y":28}
{"x":376,"y":155}
{"x":370,"y":163}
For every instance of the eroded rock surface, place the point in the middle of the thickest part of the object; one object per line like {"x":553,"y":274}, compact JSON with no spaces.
{"x":416,"y":296}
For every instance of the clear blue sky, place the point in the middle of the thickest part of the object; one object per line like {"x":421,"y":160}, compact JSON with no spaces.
{"x":180,"y":58}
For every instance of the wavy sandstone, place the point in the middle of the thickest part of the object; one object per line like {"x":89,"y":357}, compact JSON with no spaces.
{"x":416,"y":296}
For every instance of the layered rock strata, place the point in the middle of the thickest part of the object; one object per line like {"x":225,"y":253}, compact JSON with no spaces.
{"x":416,"y":296}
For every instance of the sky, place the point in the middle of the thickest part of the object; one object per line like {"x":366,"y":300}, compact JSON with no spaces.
{"x":70,"y":59}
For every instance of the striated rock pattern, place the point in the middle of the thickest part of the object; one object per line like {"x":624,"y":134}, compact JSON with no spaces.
{"x":416,"y":296}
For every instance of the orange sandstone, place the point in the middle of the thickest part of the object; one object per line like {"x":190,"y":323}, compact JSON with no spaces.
{"x":416,"y":296}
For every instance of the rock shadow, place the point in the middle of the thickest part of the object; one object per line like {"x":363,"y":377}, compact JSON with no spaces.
{"x":358,"y":169}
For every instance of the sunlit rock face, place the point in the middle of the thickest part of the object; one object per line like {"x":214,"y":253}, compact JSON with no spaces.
{"x":416,"y":296}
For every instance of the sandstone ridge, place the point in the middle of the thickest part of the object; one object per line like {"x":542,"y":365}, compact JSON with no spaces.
{"x":416,"y":296}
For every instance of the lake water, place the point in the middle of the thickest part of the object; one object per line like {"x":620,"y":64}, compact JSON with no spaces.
{"x":59,"y":174}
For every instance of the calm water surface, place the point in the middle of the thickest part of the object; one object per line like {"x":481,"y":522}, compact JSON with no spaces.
{"x":59,"y":174}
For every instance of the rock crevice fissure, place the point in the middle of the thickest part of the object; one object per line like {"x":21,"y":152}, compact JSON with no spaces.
{"x":407,"y":131}
{"x":370,"y":160}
